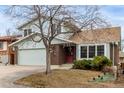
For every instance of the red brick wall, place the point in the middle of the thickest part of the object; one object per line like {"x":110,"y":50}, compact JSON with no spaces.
{"x":58,"y":56}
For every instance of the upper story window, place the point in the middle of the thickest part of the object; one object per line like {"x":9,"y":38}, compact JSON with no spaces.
{"x":1,"y":45}
{"x":27,"y":32}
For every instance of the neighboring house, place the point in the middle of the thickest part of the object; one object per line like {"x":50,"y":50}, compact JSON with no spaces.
{"x":82,"y":45}
{"x":122,"y":45}
{"x":5,"y":52}
{"x":121,"y":55}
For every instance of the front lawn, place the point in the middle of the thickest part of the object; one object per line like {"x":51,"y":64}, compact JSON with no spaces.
{"x":64,"y":79}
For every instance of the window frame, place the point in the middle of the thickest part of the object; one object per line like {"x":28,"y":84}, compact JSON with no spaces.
{"x":27,"y":31}
{"x":93,"y":52}
{"x":2,"y":45}
{"x":88,"y":45}
{"x":81,"y":51}
{"x":103,"y":51}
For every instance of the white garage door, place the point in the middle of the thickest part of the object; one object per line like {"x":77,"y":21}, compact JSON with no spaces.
{"x":32,"y":57}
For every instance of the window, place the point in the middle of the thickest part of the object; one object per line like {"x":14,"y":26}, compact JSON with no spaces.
{"x":91,"y":51}
{"x":100,"y":50}
{"x":83,"y":51}
{"x":27,"y":32}
{"x":1,"y":45}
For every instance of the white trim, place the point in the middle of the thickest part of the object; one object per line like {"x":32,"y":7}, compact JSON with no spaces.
{"x":28,"y":36}
{"x":77,"y":52}
{"x":87,"y":52}
{"x":20,"y":40}
{"x":95,"y":49}
{"x":105,"y":50}
{"x":92,"y":44}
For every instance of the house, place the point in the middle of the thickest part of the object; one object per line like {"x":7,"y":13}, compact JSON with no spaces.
{"x":5,"y":52}
{"x":105,"y":41}
{"x":81,"y":45}
{"x":28,"y":52}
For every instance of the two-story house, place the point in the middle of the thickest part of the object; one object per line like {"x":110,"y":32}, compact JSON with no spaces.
{"x":82,"y":45}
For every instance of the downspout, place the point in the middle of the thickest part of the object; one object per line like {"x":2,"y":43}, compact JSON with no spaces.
{"x":16,"y":56}
{"x":113,"y":55}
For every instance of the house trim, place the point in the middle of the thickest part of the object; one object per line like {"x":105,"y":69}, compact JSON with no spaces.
{"x":32,"y":49}
{"x":26,"y":37}
{"x":106,"y":50}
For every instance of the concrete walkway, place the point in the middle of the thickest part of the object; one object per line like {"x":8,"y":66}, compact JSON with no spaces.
{"x":8,"y":74}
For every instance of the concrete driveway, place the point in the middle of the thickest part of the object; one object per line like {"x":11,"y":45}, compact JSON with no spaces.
{"x":8,"y":74}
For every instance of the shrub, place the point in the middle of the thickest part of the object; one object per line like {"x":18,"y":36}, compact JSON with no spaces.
{"x":82,"y":64}
{"x":100,"y":61}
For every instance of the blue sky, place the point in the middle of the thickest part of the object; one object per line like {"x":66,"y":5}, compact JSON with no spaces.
{"x":113,"y":13}
{"x":6,"y":22}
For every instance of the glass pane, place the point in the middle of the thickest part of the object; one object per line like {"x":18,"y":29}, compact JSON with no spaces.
{"x":100,"y":50}
{"x":29,"y":31}
{"x":91,"y":51}
{"x":83,"y":51}
{"x":25,"y":32}
{"x":1,"y":45}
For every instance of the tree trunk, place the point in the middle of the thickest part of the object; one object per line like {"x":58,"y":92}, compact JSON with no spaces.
{"x":48,"y":61}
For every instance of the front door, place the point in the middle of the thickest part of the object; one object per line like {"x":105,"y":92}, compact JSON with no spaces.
{"x":70,"y":54}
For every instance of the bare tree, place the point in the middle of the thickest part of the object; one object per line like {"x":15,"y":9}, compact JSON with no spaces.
{"x":73,"y":17}
{"x":8,"y":32}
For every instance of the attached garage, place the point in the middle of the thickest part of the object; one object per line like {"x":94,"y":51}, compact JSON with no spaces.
{"x":30,"y":53}
{"x":31,"y":57}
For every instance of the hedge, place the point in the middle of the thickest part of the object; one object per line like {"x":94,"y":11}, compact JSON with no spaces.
{"x":97,"y":63}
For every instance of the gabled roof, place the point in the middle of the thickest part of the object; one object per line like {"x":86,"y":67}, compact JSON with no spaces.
{"x":8,"y":38}
{"x":69,"y":25}
{"x":104,"y":35}
{"x":28,"y":36}
{"x":26,"y":23}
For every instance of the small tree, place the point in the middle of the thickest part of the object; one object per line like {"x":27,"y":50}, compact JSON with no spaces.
{"x":73,"y":17}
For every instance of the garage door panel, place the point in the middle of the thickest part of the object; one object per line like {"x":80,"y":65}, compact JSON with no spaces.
{"x":32,"y":57}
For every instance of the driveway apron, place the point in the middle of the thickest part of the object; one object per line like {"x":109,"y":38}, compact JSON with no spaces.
{"x":8,"y":74}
